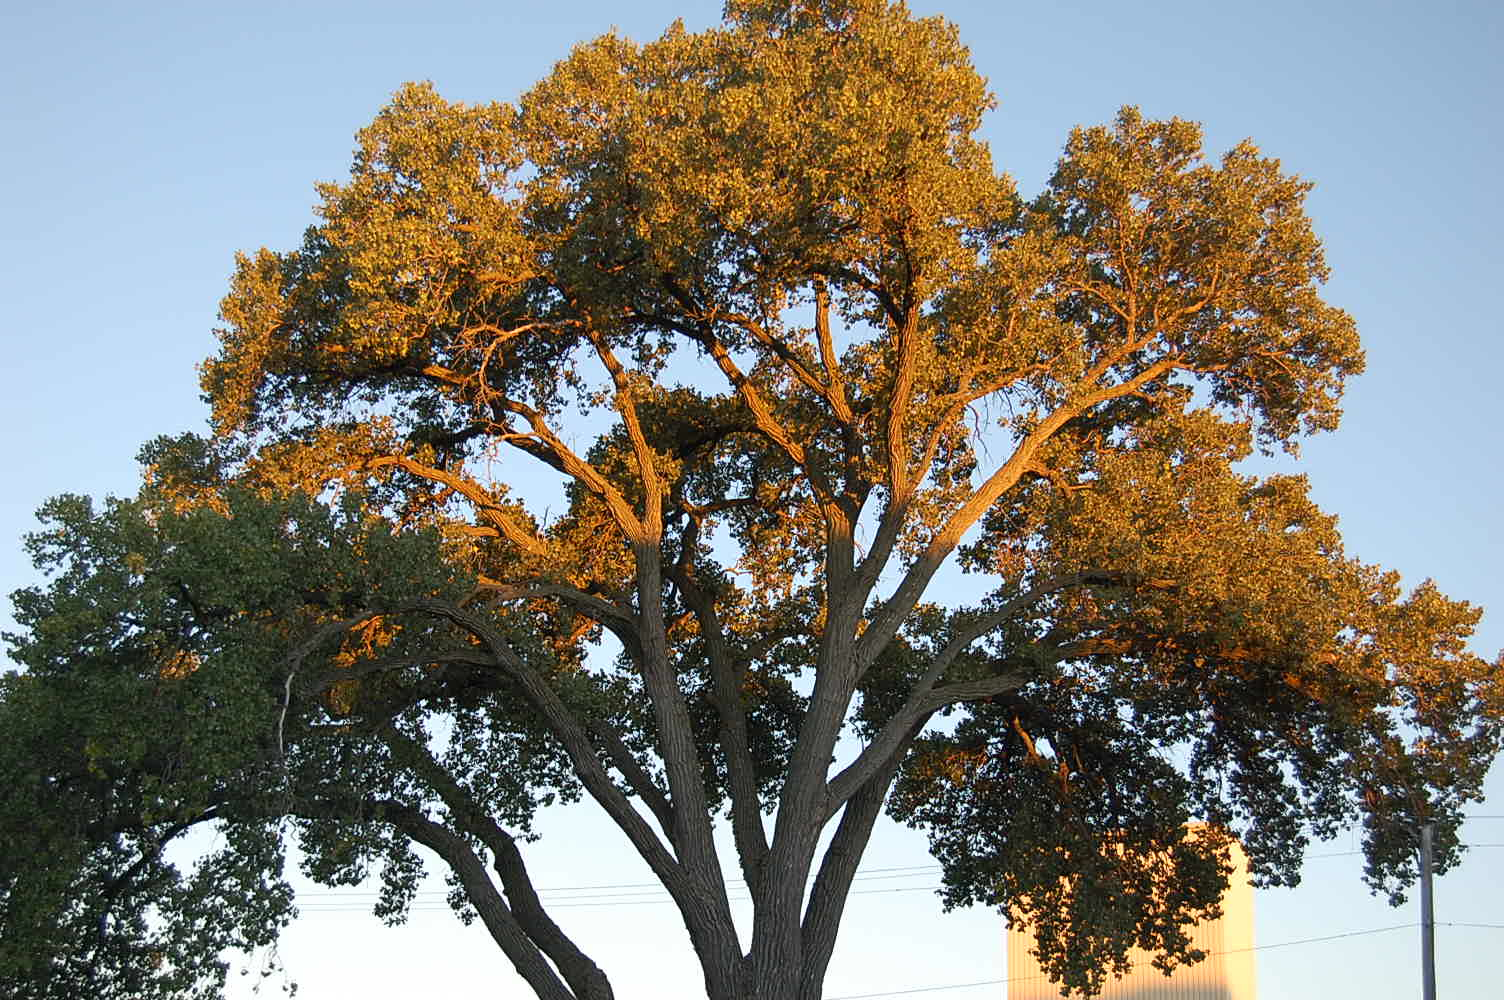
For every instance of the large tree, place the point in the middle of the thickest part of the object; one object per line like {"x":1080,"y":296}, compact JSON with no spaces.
{"x":783,"y":345}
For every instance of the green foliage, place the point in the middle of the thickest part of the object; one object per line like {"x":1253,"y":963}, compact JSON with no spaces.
{"x":161,"y":694}
{"x":756,"y":301}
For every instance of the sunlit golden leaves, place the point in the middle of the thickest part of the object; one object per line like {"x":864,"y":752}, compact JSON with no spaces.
{"x":1217,"y":266}
{"x":252,"y":339}
{"x":180,"y":664}
{"x":780,"y":338}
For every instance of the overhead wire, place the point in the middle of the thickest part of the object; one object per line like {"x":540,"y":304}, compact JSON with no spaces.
{"x":622,"y":893}
{"x":653,"y":893}
{"x":1259,"y":947}
{"x":863,"y":873}
{"x":614,"y":894}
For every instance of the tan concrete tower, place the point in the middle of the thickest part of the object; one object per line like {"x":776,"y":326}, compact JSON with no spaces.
{"x":1225,"y":974}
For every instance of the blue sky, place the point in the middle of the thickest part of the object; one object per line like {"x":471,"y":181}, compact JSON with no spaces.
{"x":144,"y":144}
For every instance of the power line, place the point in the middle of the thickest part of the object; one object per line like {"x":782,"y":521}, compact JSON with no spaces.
{"x":920,"y":989}
{"x":748,"y":899}
{"x":1314,"y":940}
{"x":432,"y":903}
{"x":653,"y":893}
{"x":1349,"y":854}
{"x":1230,"y":951}
{"x":863,"y":874}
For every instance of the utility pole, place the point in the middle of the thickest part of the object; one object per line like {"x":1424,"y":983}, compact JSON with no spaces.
{"x":1427,"y":916}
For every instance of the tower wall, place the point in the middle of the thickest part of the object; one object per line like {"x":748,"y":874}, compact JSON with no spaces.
{"x":1227,"y":973}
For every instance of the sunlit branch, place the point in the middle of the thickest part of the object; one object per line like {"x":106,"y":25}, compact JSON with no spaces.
{"x":762,"y":415}
{"x":834,"y":377}
{"x":652,"y":519}
{"x":957,"y":402}
{"x":486,"y":507}
{"x":1192,"y":308}
{"x":831,"y":391}
{"x":900,"y":481}
{"x":578,"y":469}
{"x":897,"y":607}
{"x":890,"y":525}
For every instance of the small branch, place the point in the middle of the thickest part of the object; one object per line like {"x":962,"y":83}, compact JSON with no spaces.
{"x":295,"y":660}
{"x":620,"y":620}
{"x":762,"y":414}
{"x":834,"y":377}
{"x":641,"y":783}
{"x":831,"y":393}
{"x":577,"y":468}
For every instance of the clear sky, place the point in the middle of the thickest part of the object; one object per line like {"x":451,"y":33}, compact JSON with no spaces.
{"x":144,"y":143}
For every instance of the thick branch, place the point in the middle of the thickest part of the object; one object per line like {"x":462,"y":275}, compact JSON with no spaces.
{"x":295,"y":659}
{"x":709,"y":920}
{"x":894,"y":610}
{"x":956,"y":403}
{"x":584,"y":977}
{"x":832,"y":888}
{"x":746,"y":812}
{"x":922,"y":696}
{"x":526,"y":957}
{"x":890,"y":525}
{"x":575,"y":740}
{"x":694,"y":881}
{"x":652,"y":487}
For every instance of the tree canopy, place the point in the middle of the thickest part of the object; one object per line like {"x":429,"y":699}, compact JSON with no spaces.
{"x":621,"y":444}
